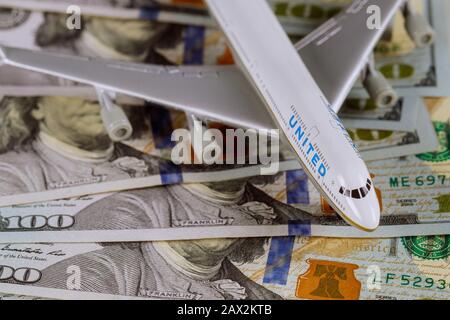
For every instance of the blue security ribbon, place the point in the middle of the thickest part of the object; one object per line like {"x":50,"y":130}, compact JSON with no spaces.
{"x":279,"y":260}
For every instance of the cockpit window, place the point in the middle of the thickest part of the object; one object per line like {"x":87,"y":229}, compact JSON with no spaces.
{"x":357,"y":193}
{"x":363,"y":191}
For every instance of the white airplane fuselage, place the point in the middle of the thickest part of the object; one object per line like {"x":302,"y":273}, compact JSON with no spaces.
{"x":299,"y":108}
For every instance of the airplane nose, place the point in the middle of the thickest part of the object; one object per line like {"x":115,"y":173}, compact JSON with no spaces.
{"x":371,"y":218}
{"x":364,"y":213}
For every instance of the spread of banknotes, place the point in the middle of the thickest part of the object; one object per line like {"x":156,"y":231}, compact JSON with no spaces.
{"x":82,"y":217}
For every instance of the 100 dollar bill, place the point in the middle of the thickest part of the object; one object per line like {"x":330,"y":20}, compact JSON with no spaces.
{"x":55,"y":169}
{"x":422,"y":71}
{"x":364,"y":114}
{"x":279,"y":268}
{"x":412,"y":193}
{"x":74,"y":155}
{"x":411,"y":70}
{"x":297,"y":17}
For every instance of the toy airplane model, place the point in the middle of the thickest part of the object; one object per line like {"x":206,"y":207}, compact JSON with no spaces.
{"x":302,"y":88}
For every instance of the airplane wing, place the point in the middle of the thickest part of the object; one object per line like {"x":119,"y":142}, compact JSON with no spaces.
{"x":220,"y":93}
{"x":336,"y":52}
{"x":223,"y":93}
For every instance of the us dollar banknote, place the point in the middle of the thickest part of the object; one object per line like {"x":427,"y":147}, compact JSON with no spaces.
{"x":9,"y":296}
{"x":137,"y":40}
{"x":363,"y":113}
{"x":382,"y":144}
{"x":296,"y":16}
{"x":422,"y":71}
{"x":108,"y":38}
{"x":412,"y":192}
{"x":411,"y":70}
{"x":232,"y":269}
{"x":57,"y":147}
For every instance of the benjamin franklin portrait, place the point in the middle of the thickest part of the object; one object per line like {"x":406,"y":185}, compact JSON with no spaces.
{"x":110,"y":38}
{"x":49,"y":143}
{"x":197,"y":269}
{"x":119,"y":39}
{"x":56,"y":142}
{"x":235,"y":202}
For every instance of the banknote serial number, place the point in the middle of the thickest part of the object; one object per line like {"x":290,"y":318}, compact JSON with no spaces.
{"x":407,"y":280}
{"x":418,"y":181}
